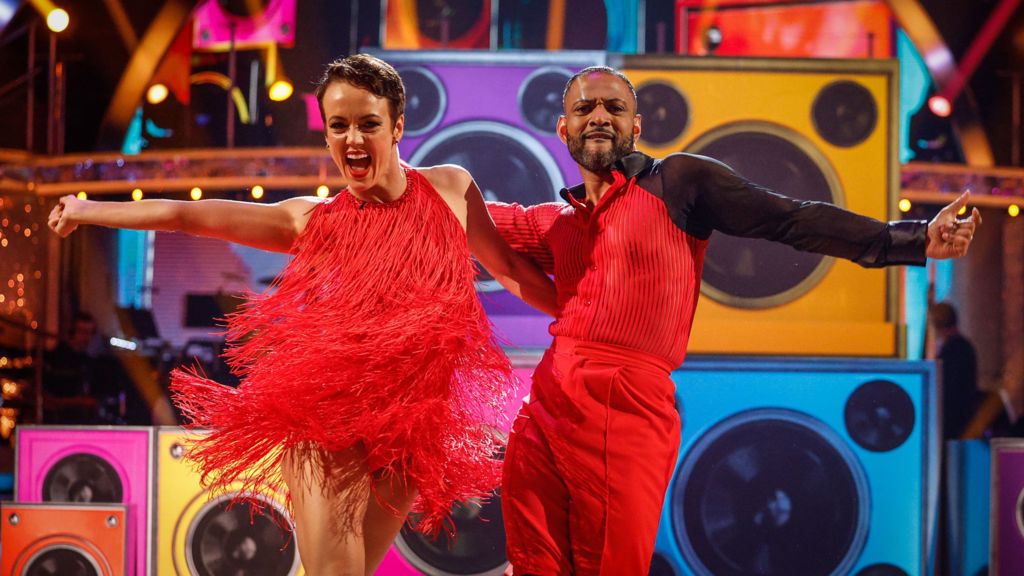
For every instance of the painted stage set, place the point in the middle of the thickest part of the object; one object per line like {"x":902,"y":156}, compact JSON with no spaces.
{"x":811,"y":449}
{"x":810,"y":444}
{"x":813,"y":466}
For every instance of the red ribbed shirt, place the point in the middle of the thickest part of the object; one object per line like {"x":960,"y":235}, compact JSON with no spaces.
{"x":625,"y":274}
{"x":628,"y":270}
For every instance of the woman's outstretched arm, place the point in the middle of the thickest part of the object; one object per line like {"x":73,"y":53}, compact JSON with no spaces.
{"x":266,"y":226}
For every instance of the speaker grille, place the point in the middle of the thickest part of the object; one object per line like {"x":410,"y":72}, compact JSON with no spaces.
{"x":230,"y":540}
{"x":770,"y":492}
{"x":82,"y":477}
{"x":845,"y":113}
{"x":449,"y":20}
{"x":747,"y":273}
{"x":879,"y":416}
{"x":665,"y":113}
{"x":61,"y":561}
{"x":425,"y":100}
{"x":540,"y":98}
{"x":479,"y":547}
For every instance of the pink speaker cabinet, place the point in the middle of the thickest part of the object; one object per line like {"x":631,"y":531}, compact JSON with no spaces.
{"x":91,"y":465}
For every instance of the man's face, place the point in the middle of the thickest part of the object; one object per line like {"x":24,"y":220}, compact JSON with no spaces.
{"x":81,"y":335}
{"x":600,"y":124}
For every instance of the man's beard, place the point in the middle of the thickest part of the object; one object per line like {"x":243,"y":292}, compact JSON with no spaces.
{"x":599,"y":161}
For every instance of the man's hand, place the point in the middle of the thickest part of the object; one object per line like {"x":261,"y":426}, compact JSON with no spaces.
{"x":62,"y":219}
{"x":949,"y":236}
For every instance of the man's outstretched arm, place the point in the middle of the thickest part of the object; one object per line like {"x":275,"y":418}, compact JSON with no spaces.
{"x":705,"y":195}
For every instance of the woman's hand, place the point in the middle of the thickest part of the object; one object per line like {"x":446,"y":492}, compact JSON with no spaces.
{"x":62,"y":218}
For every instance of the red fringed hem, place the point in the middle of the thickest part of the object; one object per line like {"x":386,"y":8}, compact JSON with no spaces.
{"x":373,"y":334}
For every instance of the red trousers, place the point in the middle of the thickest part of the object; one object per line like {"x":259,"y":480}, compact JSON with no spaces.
{"x":588,"y":462}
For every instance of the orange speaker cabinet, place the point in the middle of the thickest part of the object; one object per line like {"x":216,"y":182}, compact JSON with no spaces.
{"x":195,"y":533}
{"x":813,"y":129}
{"x":63,"y":539}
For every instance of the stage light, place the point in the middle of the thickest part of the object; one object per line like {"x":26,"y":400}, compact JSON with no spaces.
{"x":940,"y":106}
{"x":137,"y":194}
{"x":323,"y":191}
{"x":712,"y":38}
{"x":905,"y":205}
{"x":257,"y":192}
{"x":57,"y":20}
{"x":279,"y":87}
{"x":281,"y":90}
{"x":156,"y":94}
{"x":1013,"y":210}
{"x":196,"y":193}
{"x":121,"y":343}
{"x":82,"y":195}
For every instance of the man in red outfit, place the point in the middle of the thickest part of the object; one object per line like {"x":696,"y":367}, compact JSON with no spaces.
{"x":591,"y":454}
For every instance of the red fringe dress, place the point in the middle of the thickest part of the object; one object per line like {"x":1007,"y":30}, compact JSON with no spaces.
{"x":374,"y":334}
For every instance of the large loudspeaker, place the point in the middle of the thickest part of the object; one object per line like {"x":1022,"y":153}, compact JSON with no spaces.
{"x":249,"y":23}
{"x":811,"y":129}
{"x":1007,"y":507}
{"x":811,"y":467}
{"x":968,"y":478}
{"x":494,"y":114}
{"x":63,"y":539}
{"x":479,"y":545}
{"x":820,"y":29}
{"x":418,"y":24}
{"x":195,"y":535}
{"x":91,"y":465}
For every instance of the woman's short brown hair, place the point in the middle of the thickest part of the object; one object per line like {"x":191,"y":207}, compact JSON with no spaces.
{"x":369,"y":73}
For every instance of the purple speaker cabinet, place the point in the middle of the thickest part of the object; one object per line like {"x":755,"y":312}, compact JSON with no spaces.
{"x":1006,"y":553}
{"x":494,"y":114}
{"x":91,"y":464}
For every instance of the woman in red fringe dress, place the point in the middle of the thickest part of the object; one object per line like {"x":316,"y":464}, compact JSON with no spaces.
{"x":370,"y":377}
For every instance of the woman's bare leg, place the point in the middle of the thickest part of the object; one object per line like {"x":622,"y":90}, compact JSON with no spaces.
{"x":329,"y":494}
{"x":382,"y":524}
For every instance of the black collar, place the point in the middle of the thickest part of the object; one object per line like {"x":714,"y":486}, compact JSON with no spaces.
{"x":632,"y":165}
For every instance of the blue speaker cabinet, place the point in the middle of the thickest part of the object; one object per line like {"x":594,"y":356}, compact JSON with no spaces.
{"x":802,"y":467}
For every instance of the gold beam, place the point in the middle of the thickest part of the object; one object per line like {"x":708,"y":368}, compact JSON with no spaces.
{"x":140,"y":69}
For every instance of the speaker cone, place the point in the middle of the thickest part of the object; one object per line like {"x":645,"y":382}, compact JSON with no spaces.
{"x":508,"y":164}
{"x":447,"y":21}
{"x":844,"y":113}
{"x":479,"y":546}
{"x":61,"y":561}
{"x":879,"y":416}
{"x":425,"y":100}
{"x":228,"y":540}
{"x":540,"y":98}
{"x":82,"y":477}
{"x":665,"y":113}
{"x":747,"y":273}
{"x":770,"y":492}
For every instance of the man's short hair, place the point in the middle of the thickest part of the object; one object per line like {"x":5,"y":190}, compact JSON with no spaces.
{"x":598,"y":70}
{"x":369,"y":73}
{"x":943,"y":315}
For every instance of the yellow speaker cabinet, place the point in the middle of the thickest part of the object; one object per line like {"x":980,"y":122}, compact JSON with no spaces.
{"x":195,"y":534}
{"x":820,"y":130}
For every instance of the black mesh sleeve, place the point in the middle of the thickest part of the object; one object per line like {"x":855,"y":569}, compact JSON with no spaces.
{"x":703,"y":195}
